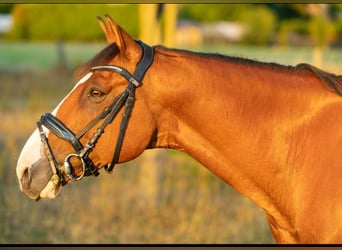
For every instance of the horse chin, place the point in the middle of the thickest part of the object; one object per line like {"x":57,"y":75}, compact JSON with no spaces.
{"x":51,"y":191}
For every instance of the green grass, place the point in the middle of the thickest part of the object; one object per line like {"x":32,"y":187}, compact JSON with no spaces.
{"x":19,"y":56}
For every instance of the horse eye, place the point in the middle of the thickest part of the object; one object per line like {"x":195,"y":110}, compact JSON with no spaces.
{"x":96,"y":95}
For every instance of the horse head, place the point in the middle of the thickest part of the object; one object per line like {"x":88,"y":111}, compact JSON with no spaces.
{"x":85,"y":131}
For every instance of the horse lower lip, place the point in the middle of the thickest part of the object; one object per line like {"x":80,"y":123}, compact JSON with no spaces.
{"x":31,"y":195}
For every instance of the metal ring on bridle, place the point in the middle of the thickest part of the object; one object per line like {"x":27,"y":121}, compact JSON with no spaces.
{"x":67,"y":167}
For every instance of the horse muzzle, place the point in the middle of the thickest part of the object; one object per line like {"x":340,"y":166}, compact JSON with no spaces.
{"x":36,"y":181}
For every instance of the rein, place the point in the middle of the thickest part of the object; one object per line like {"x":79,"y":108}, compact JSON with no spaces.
{"x":126,"y":98}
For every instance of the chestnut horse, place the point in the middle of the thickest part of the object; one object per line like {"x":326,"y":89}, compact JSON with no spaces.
{"x":272,"y":132}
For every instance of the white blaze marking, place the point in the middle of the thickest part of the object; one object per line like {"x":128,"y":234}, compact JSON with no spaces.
{"x":33,"y":149}
{"x":29,"y":154}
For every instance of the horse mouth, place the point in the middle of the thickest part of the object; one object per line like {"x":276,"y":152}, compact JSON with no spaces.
{"x":51,"y":191}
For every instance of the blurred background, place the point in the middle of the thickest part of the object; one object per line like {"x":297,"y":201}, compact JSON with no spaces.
{"x":163,"y":196}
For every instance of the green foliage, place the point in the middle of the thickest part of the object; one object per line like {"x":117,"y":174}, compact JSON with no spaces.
{"x":6,"y":8}
{"x":296,"y":25}
{"x":69,"y":21}
{"x":288,"y":10}
{"x":266,"y":20}
{"x":212,"y":12}
{"x":321,"y":30}
{"x":260,"y":23}
{"x":338,"y":30}
{"x":263,"y":21}
{"x":259,"y":19}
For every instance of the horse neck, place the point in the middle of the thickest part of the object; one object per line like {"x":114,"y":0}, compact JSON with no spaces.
{"x":221,"y":101}
{"x":232,"y":117}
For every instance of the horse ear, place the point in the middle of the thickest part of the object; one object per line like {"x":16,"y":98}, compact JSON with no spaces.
{"x":115,"y":34}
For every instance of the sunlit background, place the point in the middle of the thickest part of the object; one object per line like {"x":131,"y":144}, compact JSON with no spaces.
{"x":163,"y":196}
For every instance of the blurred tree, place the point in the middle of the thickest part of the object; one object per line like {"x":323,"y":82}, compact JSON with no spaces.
{"x":263,"y":20}
{"x":335,"y":11}
{"x":212,"y":12}
{"x":289,"y":27}
{"x":320,"y":29}
{"x":288,"y":10}
{"x":70,"y":22}
{"x":260,"y":22}
{"x":258,"y":18}
{"x":6,"y":8}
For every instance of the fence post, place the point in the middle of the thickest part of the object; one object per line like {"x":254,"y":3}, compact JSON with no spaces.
{"x":62,"y":62}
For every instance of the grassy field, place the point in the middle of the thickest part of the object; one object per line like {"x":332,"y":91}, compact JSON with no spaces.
{"x":191,"y":205}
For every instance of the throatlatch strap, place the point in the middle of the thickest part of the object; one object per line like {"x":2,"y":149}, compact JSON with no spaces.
{"x":122,"y":130}
{"x":143,"y":65}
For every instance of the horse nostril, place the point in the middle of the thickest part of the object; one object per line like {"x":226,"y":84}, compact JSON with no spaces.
{"x":26,"y":178}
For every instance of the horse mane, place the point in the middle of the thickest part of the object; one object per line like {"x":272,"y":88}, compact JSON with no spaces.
{"x":330,"y":80}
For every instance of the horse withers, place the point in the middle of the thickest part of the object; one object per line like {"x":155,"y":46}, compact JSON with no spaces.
{"x":272,"y":132}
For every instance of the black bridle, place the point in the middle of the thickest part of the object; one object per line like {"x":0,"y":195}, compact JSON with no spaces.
{"x":127,"y":98}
